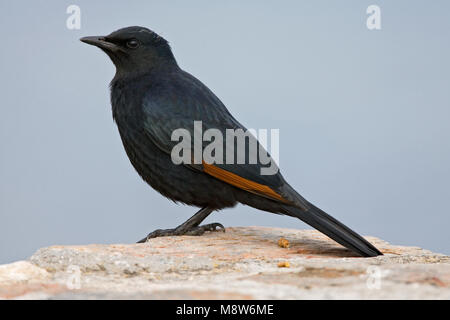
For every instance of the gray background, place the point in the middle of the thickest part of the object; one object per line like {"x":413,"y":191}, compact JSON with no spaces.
{"x":363,"y":115}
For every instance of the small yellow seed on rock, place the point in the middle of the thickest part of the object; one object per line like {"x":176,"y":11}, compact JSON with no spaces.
{"x":283,"y":243}
{"x":284,"y":264}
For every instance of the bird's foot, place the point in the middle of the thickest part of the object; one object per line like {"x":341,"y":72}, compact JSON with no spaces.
{"x":180,"y":231}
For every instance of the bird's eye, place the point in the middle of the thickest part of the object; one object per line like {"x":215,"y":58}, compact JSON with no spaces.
{"x":133,"y":43}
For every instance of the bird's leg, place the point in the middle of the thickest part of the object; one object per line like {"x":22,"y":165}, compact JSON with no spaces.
{"x":190,"y":227}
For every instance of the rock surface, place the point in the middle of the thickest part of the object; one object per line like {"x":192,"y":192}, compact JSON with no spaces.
{"x":242,"y":263}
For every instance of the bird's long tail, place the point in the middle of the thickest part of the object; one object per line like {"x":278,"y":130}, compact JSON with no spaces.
{"x":340,"y":233}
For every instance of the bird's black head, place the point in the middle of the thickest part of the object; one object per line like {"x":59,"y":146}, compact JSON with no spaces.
{"x":134,"y":50}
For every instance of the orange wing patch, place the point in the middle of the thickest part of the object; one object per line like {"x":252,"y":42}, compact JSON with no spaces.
{"x":242,"y":183}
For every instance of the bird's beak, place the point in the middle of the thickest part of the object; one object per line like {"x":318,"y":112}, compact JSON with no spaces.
{"x":100,"y":42}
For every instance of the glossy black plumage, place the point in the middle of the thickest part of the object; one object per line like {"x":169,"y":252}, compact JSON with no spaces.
{"x":151,"y":96}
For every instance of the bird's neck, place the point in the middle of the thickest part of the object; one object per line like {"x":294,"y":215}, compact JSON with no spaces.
{"x":149,"y":71}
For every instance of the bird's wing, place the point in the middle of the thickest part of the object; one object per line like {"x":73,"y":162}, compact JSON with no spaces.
{"x":184,"y":100}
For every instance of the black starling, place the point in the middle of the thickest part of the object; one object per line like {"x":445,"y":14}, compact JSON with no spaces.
{"x":151,"y":96}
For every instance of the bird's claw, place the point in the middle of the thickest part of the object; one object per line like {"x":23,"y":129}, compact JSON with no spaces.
{"x":195,"y":231}
{"x":207,"y":227}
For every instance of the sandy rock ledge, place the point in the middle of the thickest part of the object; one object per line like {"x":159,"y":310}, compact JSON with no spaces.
{"x":243,"y":263}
